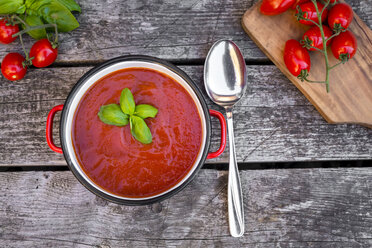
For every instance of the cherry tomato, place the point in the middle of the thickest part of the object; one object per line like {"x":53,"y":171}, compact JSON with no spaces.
{"x":298,"y":2}
{"x":315,"y":36}
{"x":6,"y":32}
{"x":275,"y":7}
{"x":296,"y":58}
{"x":341,"y":13}
{"x":12,"y":66}
{"x":309,"y":8}
{"x":43,"y":53}
{"x":344,"y":45}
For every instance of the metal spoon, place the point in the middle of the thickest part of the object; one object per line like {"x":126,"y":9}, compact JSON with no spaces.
{"x":225,"y":82}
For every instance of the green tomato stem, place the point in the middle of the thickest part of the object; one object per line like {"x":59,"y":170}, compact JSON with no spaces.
{"x":334,"y":66}
{"x":311,"y":81}
{"x":20,"y":20}
{"x":306,"y":19}
{"x":334,"y":35}
{"x":28,"y":60}
{"x":319,"y":50}
{"x":56,"y":36}
{"x":324,"y":40}
{"x":324,"y":7}
{"x":30,"y":28}
{"x":23,"y":46}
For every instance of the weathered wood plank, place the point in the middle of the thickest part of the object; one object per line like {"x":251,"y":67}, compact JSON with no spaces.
{"x":283,"y":208}
{"x":273,"y":122}
{"x":166,"y":28}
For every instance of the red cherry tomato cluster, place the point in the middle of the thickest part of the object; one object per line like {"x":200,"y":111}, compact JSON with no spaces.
{"x":14,"y":65}
{"x":338,"y":16}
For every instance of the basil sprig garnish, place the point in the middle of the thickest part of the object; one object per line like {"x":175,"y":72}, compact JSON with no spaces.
{"x":128,"y":112}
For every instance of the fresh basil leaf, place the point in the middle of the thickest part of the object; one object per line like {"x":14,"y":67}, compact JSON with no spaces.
{"x":35,"y":21}
{"x":70,"y":4}
{"x":29,"y":3}
{"x":145,"y":110}
{"x":12,"y":6}
{"x":33,"y":6}
{"x":21,"y":9}
{"x":111,"y":114}
{"x":55,"y":12}
{"x":140,"y":130}
{"x":127,"y":103}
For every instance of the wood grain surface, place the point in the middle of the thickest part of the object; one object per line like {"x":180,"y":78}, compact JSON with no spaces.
{"x":273,"y":121}
{"x":283,"y":208}
{"x":350,"y":96}
{"x":170,"y":29}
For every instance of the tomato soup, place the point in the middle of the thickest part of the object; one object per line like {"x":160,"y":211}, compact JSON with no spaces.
{"x":118,"y":163}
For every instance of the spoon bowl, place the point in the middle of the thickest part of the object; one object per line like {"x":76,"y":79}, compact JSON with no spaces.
{"x":225,"y":73}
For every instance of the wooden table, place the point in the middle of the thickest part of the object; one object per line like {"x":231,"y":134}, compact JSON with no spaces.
{"x":43,"y":205}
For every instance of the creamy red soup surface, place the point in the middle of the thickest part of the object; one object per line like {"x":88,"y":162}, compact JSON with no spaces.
{"x":118,"y":163}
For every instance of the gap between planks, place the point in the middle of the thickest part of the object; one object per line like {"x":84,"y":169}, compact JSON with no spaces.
{"x":223,"y":166}
{"x":177,"y":62}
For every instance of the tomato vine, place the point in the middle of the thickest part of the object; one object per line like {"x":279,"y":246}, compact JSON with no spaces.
{"x":301,"y":15}
{"x":311,"y":12}
{"x":43,"y":20}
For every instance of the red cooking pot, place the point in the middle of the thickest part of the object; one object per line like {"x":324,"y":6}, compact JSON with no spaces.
{"x":67,"y":135}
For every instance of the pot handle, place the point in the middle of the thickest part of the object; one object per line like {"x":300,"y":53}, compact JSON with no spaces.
{"x":222,"y":120}
{"x":49,"y":128}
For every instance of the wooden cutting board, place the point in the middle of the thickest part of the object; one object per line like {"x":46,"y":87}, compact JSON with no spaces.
{"x":350,"y":96}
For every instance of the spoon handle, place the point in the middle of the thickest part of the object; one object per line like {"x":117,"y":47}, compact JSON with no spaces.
{"x":234,"y":191}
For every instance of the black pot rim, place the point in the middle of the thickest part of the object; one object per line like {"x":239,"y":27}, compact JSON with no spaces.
{"x":141,"y":58}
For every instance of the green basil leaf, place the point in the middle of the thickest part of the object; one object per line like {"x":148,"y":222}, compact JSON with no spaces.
{"x":33,"y":6}
{"x":35,"y":21}
{"x":29,"y":3}
{"x":55,"y":12}
{"x":144,"y":111}
{"x":12,"y":6}
{"x":111,"y":114}
{"x":140,"y":130}
{"x":127,"y":103}
{"x":21,"y":9}
{"x":71,"y":5}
